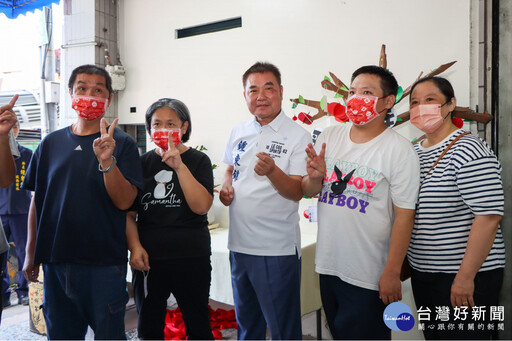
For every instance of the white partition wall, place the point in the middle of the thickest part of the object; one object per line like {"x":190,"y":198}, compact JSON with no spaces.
{"x":304,"y":38}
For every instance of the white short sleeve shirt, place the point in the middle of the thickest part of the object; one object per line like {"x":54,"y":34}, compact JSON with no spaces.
{"x":261,"y":221}
{"x":354,"y":228}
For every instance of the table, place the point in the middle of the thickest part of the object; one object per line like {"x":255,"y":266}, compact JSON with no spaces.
{"x":222,"y":291}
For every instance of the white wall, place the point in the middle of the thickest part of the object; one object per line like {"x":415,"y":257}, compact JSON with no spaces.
{"x":305,"y":38}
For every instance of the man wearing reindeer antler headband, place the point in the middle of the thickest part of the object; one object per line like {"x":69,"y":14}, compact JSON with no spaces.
{"x":367,"y":179}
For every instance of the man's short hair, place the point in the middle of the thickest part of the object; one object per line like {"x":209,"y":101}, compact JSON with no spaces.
{"x":388,"y":81}
{"x":260,"y":67}
{"x":90,"y":69}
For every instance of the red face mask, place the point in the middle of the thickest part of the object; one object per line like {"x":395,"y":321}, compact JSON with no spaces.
{"x":361,"y":109}
{"x":161,"y":137}
{"x":88,"y":107}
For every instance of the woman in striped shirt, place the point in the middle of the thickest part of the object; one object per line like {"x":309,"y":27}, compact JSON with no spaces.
{"x":456,"y":252}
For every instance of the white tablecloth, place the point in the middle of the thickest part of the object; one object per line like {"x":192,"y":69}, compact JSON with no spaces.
{"x":221,"y":290}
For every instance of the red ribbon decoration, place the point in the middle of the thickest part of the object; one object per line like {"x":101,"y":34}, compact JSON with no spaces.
{"x":219,"y":319}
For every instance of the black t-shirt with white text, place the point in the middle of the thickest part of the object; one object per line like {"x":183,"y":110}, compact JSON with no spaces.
{"x":168,"y":229}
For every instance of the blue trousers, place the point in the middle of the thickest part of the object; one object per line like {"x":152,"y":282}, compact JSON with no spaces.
{"x":2,"y":257}
{"x":266,"y":290}
{"x":352,"y":312}
{"x":15,"y":226}
{"x":77,"y":295}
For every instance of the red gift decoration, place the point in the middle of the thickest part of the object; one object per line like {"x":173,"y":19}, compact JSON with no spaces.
{"x":219,"y":319}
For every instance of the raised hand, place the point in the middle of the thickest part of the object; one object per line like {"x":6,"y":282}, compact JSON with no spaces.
{"x":7,"y":116}
{"x":171,"y":156}
{"x":105,"y":144}
{"x":264,"y":165}
{"x":315,"y":164}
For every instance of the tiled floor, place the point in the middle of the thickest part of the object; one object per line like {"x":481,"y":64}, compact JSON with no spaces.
{"x":15,"y":324}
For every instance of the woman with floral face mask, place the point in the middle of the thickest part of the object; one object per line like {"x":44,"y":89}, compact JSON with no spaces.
{"x":456,"y":252}
{"x":167,"y":230}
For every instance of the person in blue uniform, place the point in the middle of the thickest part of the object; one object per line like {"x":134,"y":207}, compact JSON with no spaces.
{"x":8,"y":152}
{"x":14,"y":204}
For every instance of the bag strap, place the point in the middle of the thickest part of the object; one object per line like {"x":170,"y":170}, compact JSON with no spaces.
{"x":446,"y":150}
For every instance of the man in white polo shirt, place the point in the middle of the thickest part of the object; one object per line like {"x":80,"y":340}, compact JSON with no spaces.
{"x":262,"y":186}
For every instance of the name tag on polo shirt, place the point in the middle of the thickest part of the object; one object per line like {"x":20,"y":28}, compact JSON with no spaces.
{"x":276,"y":149}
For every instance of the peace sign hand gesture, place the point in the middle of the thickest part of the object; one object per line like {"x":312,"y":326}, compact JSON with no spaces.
{"x":171,"y":156}
{"x":7,"y":116}
{"x":105,"y":144}
{"x":315,"y":165}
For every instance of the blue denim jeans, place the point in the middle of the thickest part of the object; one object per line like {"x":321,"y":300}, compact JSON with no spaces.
{"x":78,"y":295}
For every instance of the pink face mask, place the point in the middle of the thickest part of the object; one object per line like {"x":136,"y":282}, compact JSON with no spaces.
{"x":427,"y":117}
{"x":361,"y":109}
{"x":161,"y":137}
{"x":88,"y":107}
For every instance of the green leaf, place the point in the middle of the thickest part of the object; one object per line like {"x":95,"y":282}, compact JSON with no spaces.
{"x":327,"y":79}
{"x":399,"y":119}
{"x":301,"y":99}
{"x":344,"y":88}
{"x":323,"y":103}
{"x":294,"y":105}
{"x":399,"y":94}
{"x":337,"y":95}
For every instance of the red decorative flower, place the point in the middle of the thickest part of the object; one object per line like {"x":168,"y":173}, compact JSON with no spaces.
{"x":339,"y":111}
